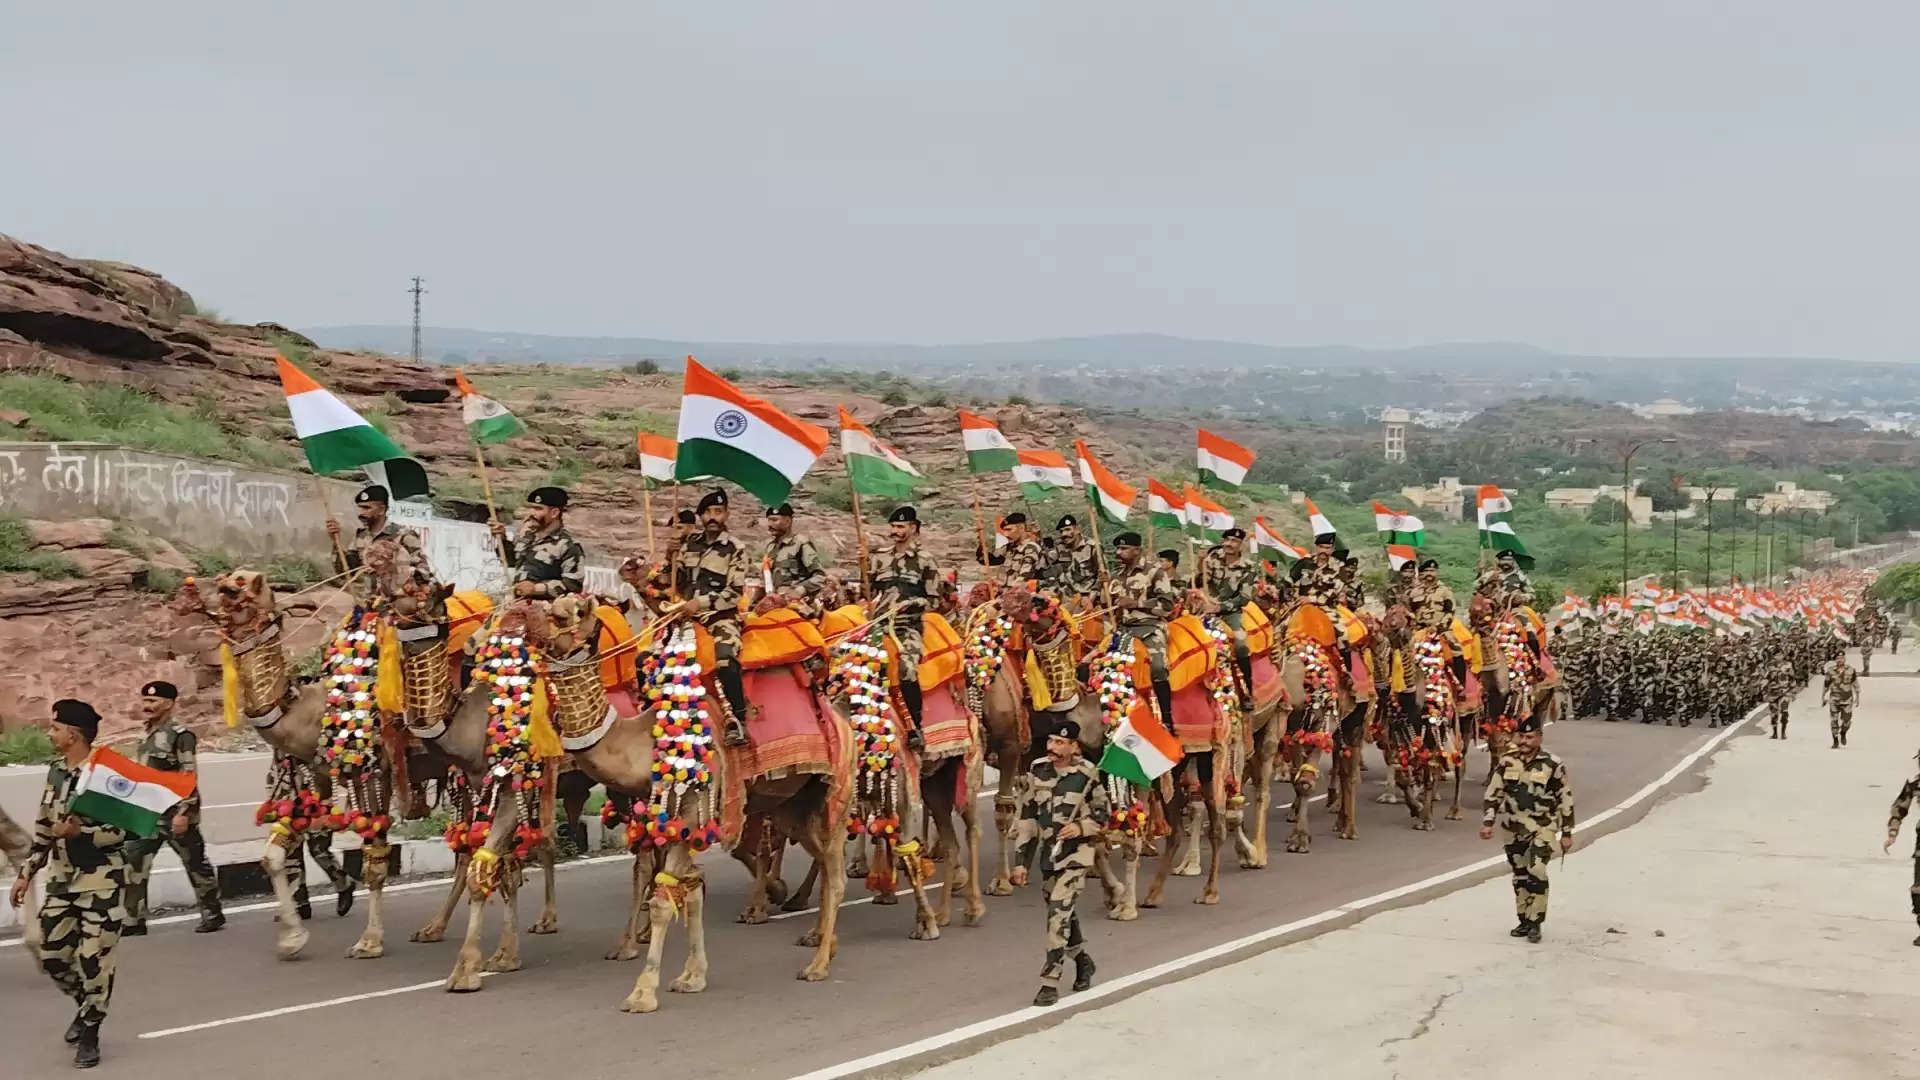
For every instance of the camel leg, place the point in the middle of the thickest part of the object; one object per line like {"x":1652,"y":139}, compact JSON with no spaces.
{"x":940,"y":814}
{"x":293,"y":935}
{"x":645,"y":997}
{"x":1350,"y":795}
{"x":628,"y":946}
{"x":926,"y":925}
{"x":817,"y":837}
{"x":798,"y":900}
{"x":976,"y":906}
{"x":1188,"y":863}
{"x":465,"y":977}
{"x":1003,"y":810}
{"x":436,"y":928}
{"x":1130,"y":877}
{"x":856,"y":857}
{"x":549,"y":920}
{"x":1253,"y":851}
{"x":1176,"y":816}
{"x":1216,"y":839}
{"x":884,"y":886}
{"x":693,"y":977}
{"x":373,"y":869}
{"x":755,"y":911}
{"x":1299,"y":840}
{"x":507,"y":956}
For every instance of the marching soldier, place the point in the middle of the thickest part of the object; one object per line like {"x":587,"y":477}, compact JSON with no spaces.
{"x":1065,"y":811}
{"x":88,"y":866}
{"x":907,"y":579}
{"x":371,"y":505}
{"x":170,"y":747}
{"x":1782,"y":682}
{"x":1143,"y":601}
{"x":1024,"y":560}
{"x":1839,"y":692}
{"x":791,"y":570}
{"x":1529,"y":797}
{"x":1076,"y":567}
{"x":1893,"y":636}
{"x":1230,"y":581}
{"x":710,"y":574}
{"x":546,"y":560}
{"x":1901,"y":804}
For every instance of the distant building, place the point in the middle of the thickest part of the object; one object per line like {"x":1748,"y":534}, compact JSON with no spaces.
{"x":1667,"y":406}
{"x":1787,"y":495}
{"x":1395,"y":423}
{"x":1582,"y":501}
{"x":1446,"y":498}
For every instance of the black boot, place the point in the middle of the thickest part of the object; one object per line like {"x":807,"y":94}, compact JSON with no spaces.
{"x":910,"y":693}
{"x":139,"y":929}
{"x":1522,"y":930}
{"x":76,"y":1029}
{"x":211,"y":920}
{"x":86,"y":1049}
{"x":1163,"y":693}
{"x":1048,"y":995}
{"x":1083,"y":969}
{"x":343,"y":896}
{"x":580,"y":836}
{"x":1533,"y":931}
{"x":736,"y":692}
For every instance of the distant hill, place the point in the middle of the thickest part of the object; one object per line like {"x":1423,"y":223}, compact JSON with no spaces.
{"x":1324,"y":382}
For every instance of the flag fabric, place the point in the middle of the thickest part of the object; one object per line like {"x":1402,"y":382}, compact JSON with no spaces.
{"x":1140,"y":749}
{"x":1399,"y":528}
{"x":1205,"y":518}
{"x":487,"y":420}
{"x":113,"y":790}
{"x":1104,"y":490}
{"x":871,"y":464}
{"x":334,"y":436}
{"x":1495,"y":530}
{"x":403,"y":477}
{"x":1399,"y":555}
{"x":987,"y":450}
{"x":736,"y":437}
{"x":1223,"y":464}
{"x":1165,"y":509}
{"x":1039,"y":472}
{"x":1317,"y":522}
{"x":657,"y":454}
{"x":1265,"y":537}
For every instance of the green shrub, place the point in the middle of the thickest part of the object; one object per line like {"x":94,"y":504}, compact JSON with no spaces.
{"x":65,"y":411}
{"x":894,"y":396}
{"x":431,"y":827}
{"x":17,"y":554}
{"x":27,"y":746}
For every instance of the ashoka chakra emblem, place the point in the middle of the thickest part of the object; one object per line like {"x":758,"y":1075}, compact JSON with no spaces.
{"x":730,"y":424}
{"x":119,"y":786}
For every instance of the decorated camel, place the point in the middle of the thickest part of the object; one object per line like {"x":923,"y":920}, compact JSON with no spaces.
{"x":1420,"y":705}
{"x":1516,"y":677}
{"x":1322,"y":711}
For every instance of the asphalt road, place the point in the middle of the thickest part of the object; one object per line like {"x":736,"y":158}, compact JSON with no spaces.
{"x":184,"y":1002}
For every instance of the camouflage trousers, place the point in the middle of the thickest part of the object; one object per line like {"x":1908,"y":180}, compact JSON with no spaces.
{"x":1913,"y":894}
{"x":320,"y":846}
{"x":906,"y":634}
{"x":1154,"y":637}
{"x":1839,"y":719}
{"x":192,"y":849}
{"x":1064,"y":940}
{"x":1530,"y":854}
{"x":1778,"y":710}
{"x":77,"y":934}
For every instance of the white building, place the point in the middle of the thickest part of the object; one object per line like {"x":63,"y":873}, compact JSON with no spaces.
{"x":1395,"y":421}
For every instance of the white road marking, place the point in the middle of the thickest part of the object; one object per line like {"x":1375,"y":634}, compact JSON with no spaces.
{"x":1086,"y":998}
{"x":270,"y":1013}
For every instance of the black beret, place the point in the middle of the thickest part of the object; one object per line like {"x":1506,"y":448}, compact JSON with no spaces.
{"x":687,"y":517}
{"x":372,"y":493}
{"x":160,"y":689}
{"x":1340,"y":553}
{"x":77,"y":715}
{"x":1323,"y":538}
{"x":1429,"y":564}
{"x":783,"y":510}
{"x":1127,"y":539}
{"x":1064,"y":729}
{"x":1530,"y":724}
{"x":1503,"y":554}
{"x":1353,"y":560}
{"x":1066,"y":520}
{"x":548,"y":496}
{"x":1172,"y":555}
{"x":1015,"y":518}
{"x":903,"y":513}
{"x":716,"y":497}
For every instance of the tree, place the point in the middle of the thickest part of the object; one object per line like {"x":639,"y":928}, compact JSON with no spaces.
{"x":1605,"y":511}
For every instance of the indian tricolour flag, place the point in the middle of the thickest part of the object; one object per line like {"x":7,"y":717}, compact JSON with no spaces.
{"x":1205,"y":518}
{"x":1039,"y":472}
{"x":1265,"y":537}
{"x":988,"y":451}
{"x":334,"y":436}
{"x":1139,"y":748}
{"x":114,"y":791}
{"x":1495,"y":530}
{"x":1104,"y":490}
{"x":736,"y":437}
{"x":487,"y":420}
{"x":1223,"y":464}
{"x":657,"y":454}
{"x":1317,"y":521}
{"x":1165,"y":509}
{"x":871,"y":464}
{"x":1399,"y":528}
{"x":1399,"y":555}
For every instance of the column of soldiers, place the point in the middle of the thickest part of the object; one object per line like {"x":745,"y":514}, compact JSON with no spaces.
{"x":1674,"y":677}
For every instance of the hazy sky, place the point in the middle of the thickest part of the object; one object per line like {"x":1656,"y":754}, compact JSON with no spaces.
{"x":1674,"y":177}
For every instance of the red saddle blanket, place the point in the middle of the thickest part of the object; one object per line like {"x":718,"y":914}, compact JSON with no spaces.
{"x":786,"y":731}
{"x":947,"y":727}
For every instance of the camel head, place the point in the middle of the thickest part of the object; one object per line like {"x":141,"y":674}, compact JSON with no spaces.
{"x":243,"y":602}
{"x":571,"y":625}
{"x":1398,"y":624}
{"x":1480,"y":611}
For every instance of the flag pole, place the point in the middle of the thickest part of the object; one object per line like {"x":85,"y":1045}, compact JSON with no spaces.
{"x":1099,"y":552}
{"x":646,"y":504}
{"x":486,"y":488}
{"x":979,"y":519}
{"x":326,"y":503}
{"x":859,"y":533}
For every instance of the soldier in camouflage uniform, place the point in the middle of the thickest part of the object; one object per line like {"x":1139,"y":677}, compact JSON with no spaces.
{"x":371,"y":504}
{"x":87,"y":871}
{"x":1076,"y":568}
{"x":545,"y":560}
{"x":1901,"y":804}
{"x":791,"y":571}
{"x":907,"y":579}
{"x":1230,"y":578}
{"x":1170,"y":562}
{"x":1061,"y":819}
{"x":1350,"y":579}
{"x":171,"y":748}
{"x":1400,"y":586}
{"x":1782,"y":683}
{"x":1840,"y":692}
{"x":1024,"y":560}
{"x":1319,"y":582}
{"x":1530,"y":798}
{"x":1143,"y":601}
{"x":710,"y":574}
{"x":1432,"y":600}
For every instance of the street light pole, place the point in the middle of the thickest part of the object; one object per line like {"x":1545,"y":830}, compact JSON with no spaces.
{"x":1626,"y":507}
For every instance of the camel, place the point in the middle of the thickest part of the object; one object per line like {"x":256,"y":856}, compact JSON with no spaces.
{"x":1419,"y":748}
{"x":1319,"y":703}
{"x":1502,"y":667}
